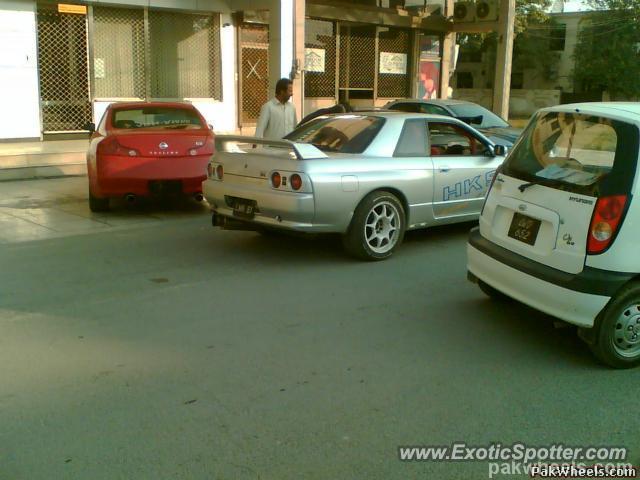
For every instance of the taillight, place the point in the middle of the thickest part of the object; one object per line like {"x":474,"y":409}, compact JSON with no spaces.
{"x":209,"y":170}
{"x":111,"y":146}
{"x":606,"y":219}
{"x":295,"y":181}
{"x":219,"y":172}
{"x":276,"y":180}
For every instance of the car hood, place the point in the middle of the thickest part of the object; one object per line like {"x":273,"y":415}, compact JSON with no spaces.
{"x":502,"y":135}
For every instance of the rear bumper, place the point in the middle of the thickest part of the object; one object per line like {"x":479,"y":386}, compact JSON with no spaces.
{"x":577,"y":299}
{"x":120,"y":176}
{"x":282,"y":210}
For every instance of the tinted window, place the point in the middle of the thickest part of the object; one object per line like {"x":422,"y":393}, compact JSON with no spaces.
{"x":472,"y":111}
{"x":575,"y":152}
{"x":413,"y":139}
{"x":406,"y":107}
{"x":434,"y":109}
{"x":156,"y":117}
{"x":449,"y":139}
{"x":344,"y":134}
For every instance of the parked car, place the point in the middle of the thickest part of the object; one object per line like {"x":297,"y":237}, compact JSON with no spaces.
{"x":369,"y":177}
{"x":490,"y":124}
{"x":140,"y":149}
{"x":559,"y":230}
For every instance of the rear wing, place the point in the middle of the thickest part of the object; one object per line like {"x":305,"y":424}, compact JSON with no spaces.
{"x":242,"y":144}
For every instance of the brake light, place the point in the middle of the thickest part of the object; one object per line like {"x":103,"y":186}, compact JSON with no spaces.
{"x":111,"y":146}
{"x":276,"y":180}
{"x":607,"y":217}
{"x":219,"y":172}
{"x":295,"y":181}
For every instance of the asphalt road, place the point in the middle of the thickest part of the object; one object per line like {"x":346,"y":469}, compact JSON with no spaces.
{"x":170,"y":350}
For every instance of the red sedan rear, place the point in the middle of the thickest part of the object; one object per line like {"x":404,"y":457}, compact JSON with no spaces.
{"x":141,"y":149}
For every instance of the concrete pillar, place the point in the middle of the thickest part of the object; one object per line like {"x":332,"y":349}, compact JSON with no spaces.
{"x":299,"y":14}
{"x":448,"y":46}
{"x":502,"y":83}
{"x":286,"y":46}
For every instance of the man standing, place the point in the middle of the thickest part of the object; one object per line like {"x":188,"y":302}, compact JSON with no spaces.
{"x":278,"y":115}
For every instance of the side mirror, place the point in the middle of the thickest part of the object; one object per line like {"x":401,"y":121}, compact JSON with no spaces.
{"x":499,"y":150}
{"x":210,"y":127}
{"x":91,"y":127}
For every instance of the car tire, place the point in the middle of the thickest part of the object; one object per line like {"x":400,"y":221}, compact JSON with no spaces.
{"x":97,"y":204}
{"x":617,"y":340}
{"x":377,"y":227}
{"x":492,"y":293}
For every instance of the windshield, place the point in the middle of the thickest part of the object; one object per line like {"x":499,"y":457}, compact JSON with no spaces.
{"x":344,"y":134}
{"x":576,"y":152}
{"x":156,"y":117}
{"x":470,"y":110}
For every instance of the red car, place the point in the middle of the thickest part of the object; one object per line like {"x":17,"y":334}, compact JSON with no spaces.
{"x":142,"y":149}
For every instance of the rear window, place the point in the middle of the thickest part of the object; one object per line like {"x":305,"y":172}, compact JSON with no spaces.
{"x":343,"y":134}
{"x":156,"y":117}
{"x":576,"y":152}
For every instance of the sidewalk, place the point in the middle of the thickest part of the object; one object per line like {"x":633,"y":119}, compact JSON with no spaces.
{"x":58,"y":207}
{"x":55,"y":158}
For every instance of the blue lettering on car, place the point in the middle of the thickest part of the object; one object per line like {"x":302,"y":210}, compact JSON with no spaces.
{"x":467,"y":186}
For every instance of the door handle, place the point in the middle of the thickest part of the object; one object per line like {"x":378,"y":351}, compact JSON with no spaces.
{"x":444,"y":168}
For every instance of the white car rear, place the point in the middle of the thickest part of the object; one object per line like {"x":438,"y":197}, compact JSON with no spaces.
{"x":559,"y":226}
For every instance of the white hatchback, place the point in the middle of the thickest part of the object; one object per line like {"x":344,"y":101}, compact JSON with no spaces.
{"x":559,"y":229}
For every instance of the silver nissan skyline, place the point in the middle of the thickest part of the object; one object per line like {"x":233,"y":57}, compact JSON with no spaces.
{"x":369,"y":176}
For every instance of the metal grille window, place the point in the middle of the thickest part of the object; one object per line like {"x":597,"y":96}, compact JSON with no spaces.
{"x":320,"y":58}
{"x":357,"y":57}
{"x":64,"y":76}
{"x":254,"y":71}
{"x":185,"y":55}
{"x":394,"y":46}
{"x":119,"y":53}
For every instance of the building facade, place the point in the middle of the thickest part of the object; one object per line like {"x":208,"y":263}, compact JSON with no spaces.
{"x":63,"y":63}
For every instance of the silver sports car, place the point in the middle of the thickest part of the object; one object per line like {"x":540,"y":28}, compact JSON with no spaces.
{"x":367,"y":176}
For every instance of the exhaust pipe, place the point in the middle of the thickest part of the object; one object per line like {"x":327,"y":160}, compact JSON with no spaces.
{"x":130,"y":198}
{"x":198,"y":197}
{"x":227,"y":223}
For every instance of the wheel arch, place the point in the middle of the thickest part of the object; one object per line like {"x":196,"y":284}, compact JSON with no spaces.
{"x":396,"y":192}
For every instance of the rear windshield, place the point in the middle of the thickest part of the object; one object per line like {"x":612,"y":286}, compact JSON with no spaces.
{"x":576,"y":152}
{"x":156,"y":117}
{"x":344,"y":134}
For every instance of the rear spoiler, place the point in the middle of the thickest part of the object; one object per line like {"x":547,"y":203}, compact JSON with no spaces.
{"x":302,"y":151}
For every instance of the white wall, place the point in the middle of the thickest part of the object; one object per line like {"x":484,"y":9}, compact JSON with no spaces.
{"x":19,"y":87}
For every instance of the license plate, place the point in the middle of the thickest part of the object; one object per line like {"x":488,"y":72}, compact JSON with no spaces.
{"x":244,"y":208}
{"x":524,"y":228}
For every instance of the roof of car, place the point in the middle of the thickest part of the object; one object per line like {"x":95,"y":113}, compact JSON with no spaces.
{"x":151,"y":104}
{"x":391,"y":114}
{"x":625,"y":109}
{"x":435,"y":101}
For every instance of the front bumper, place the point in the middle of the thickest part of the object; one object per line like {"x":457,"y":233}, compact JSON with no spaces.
{"x":577,"y":299}
{"x":282,"y":210}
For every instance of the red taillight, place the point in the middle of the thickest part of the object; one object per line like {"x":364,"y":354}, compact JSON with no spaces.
{"x":606,"y":219}
{"x":296,"y":181}
{"x":219,"y":172}
{"x":276,"y":180}
{"x":111,"y":146}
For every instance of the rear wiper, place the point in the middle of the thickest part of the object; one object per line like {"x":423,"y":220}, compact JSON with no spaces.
{"x":524,"y":186}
